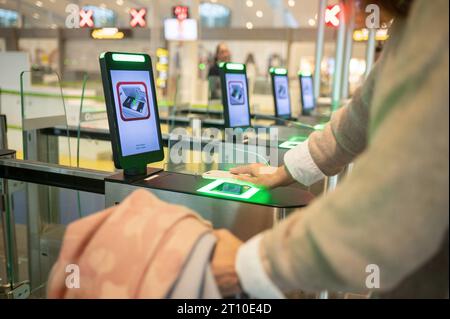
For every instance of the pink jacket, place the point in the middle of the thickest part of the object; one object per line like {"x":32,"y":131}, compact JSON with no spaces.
{"x":133,"y":250}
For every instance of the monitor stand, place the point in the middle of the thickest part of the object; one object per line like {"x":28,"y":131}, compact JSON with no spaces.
{"x":140,"y":172}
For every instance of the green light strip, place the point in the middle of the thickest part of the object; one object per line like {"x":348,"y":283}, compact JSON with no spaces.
{"x":208,"y":189}
{"x":304,"y":73}
{"x":128,"y":57}
{"x":278,"y":71}
{"x":235,"y":66}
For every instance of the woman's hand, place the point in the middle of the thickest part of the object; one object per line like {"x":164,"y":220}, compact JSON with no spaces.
{"x":223,"y":263}
{"x":255,"y":174}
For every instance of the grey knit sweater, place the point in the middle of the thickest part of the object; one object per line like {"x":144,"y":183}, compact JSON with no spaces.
{"x":393,"y":210}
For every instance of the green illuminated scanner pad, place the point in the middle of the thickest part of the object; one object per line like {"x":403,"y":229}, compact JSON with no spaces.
{"x":230,"y":188}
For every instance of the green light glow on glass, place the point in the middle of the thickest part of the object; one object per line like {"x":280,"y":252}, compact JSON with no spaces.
{"x":298,"y":138}
{"x":278,"y":71}
{"x":202,"y":66}
{"x":212,"y":189}
{"x":128,"y":57}
{"x":235,"y":66}
{"x":221,"y":64}
{"x":289,"y":144}
{"x":320,"y":127}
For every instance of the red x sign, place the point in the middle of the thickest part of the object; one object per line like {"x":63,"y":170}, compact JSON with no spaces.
{"x":332,"y":15}
{"x":138,"y":18}
{"x":86,"y":19}
{"x":181,"y":12}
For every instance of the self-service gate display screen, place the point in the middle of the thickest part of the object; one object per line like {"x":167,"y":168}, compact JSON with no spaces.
{"x":235,"y":95}
{"x":307,"y":94}
{"x":132,"y":108}
{"x":280,"y":89}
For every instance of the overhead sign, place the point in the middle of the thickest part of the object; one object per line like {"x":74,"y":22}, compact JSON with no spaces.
{"x":180,"y":13}
{"x":332,"y":15}
{"x":86,"y":18}
{"x":175,"y":30}
{"x":138,"y":18}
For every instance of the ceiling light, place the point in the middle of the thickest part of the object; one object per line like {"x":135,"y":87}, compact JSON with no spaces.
{"x":312,"y":22}
{"x":259,"y":14}
{"x":119,"y":2}
{"x":249,"y":25}
{"x":249,"y":3}
{"x":36,"y":15}
{"x":291,"y":3}
{"x":102,"y":5}
{"x":39,"y":4}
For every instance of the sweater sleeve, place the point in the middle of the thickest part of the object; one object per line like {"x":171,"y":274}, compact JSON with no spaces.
{"x":327,"y":152}
{"x":392,"y":211}
{"x":345,"y":137}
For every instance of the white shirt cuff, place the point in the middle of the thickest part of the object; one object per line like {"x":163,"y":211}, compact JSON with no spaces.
{"x":252,"y":276}
{"x":301,"y":166}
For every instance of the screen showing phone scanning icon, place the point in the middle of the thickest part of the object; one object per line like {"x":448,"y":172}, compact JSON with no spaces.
{"x":134,"y":108}
{"x":282,"y":95}
{"x":133,"y":101}
{"x":307,"y":92}
{"x":238,"y":109}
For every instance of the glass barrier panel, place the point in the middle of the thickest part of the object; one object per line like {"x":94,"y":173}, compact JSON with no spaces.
{"x":41,"y":214}
{"x":93,"y":145}
{"x":45,"y":112}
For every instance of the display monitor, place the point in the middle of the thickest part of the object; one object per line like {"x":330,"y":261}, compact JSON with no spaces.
{"x":132,"y":109}
{"x":280,"y":91}
{"x":307,"y":94}
{"x":235,"y":95}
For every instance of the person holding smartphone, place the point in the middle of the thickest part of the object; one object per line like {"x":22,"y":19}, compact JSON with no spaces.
{"x":391,"y":212}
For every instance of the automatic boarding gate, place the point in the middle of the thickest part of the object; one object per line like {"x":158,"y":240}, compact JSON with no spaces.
{"x":35,"y":190}
{"x":244,"y":210}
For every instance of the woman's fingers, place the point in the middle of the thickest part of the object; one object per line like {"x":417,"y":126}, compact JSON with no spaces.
{"x":252,"y":169}
{"x":247,"y":179}
{"x":241,"y":170}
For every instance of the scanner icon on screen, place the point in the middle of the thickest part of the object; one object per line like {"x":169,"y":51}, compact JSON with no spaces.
{"x":133,"y":101}
{"x":282,"y":91}
{"x":236,"y":93}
